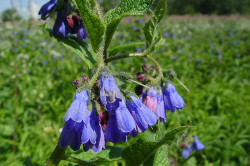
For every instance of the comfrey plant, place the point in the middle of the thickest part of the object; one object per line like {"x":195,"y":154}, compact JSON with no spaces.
{"x":196,"y":145}
{"x":101,"y":113}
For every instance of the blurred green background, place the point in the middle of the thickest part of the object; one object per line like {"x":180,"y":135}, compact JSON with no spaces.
{"x":210,"y":54}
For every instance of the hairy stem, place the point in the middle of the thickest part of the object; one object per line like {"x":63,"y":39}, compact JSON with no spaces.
{"x":100,"y":65}
{"x":143,"y":54}
{"x":76,"y":160}
{"x":113,"y":58}
{"x":98,"y":8}
{"x":56,"y":156}
{"x":160,"y":75}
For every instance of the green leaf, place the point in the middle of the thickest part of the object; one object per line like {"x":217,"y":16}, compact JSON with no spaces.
{"x":160,"y":158}
{"x":140,"y":151}
{"x":151,"y":30}
{"x":93,"y":25}
{"x":125,"y":8}
{"x":111,"y":154}
{"x":131,"y":46}
{"x":79,"y":47}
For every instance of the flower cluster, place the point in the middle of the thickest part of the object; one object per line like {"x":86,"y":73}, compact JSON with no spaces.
{"x":156,"y":98}
{"x":119,"y":119}
{"x":65,"y":21}
{"x":196,"y":145}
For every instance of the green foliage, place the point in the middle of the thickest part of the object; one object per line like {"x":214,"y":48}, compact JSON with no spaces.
{"x":93,"y":24}
{"x":217,"y":105}
{"x":140,"y":151}
{"x":151,"y":30}
{"x":125,"y":8}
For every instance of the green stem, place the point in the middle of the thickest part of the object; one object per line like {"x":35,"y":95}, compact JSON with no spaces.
{"x":113,"y":58}
{"x":56,"y":156}
{"x":143,"y":54}
{"x":98,"y":8}
{"x":100,"y":65}
{"x":76,"y":160}
{"x":160,"y":75}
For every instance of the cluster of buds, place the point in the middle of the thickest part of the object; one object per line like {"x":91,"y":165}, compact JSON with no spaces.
{"x":80,"y":82}
{"x":65,"y":21}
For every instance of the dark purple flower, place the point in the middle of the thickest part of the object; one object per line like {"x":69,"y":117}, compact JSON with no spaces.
{"x":92,"y":135}
{"x":61,"y":26}
{"x":143,"y":116}
{"x":185,"y":153}
{"x":172,"y":100}
{"x":110,"y":94}
{"x":70,"y":135}
{"x":238,"y":55}
{"x":81,"y":33}
{"x":219,"y":56}
{"x":120,"y":124}
{"x":47,"y":8}
{"x":234,"y":42}
{"x":196,"y":144}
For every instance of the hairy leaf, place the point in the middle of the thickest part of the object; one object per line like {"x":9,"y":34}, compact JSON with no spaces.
{"x":160,"y":158}
{"x":131,"y":46}
{"x":111,"y":154}
{"x":151,"y":30}
{"x":126,"y":7}
{"x":140,"y":151}
{"x":93,"y":24}
{"x":79,"y":47}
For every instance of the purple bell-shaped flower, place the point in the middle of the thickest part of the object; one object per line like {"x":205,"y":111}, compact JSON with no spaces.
{"x":186,"y":152}
{"x":172,"y":100}
{"x":143,"y":116}
{"x":197,"y":145}
{"x":47,"y":8}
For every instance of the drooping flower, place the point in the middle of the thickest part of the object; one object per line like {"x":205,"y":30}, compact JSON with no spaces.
{"x":74,"y":121}
{"x":110,"y":94}
{"x":47,"y":8}
{"x":70,"y":135}
{"x":78,"y":108}
{"x":185,"y":153}
{"x":61,"y":25}
{"x":144,"y":118}
{"x":150,"y":100}
{"x":197,"y":145}
{"x":77,"y":27}
{"x":92,"y":135}
{"x":160,"y":112}
{"x":172,"y":100}
{"x":120,"y":124}
{"x":154,"y":101}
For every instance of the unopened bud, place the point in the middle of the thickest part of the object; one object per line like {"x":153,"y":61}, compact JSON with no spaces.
{"x":140,"y":77}
{"x":144,"y":67}
{"x":84,"y":78}
{"x":75,"y":83}
{"x":183,"y":145}
{"x":70,"y":22}
{"x":138,"y":90}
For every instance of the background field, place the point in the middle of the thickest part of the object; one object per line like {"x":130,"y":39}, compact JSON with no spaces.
{"x":209,"y":54}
